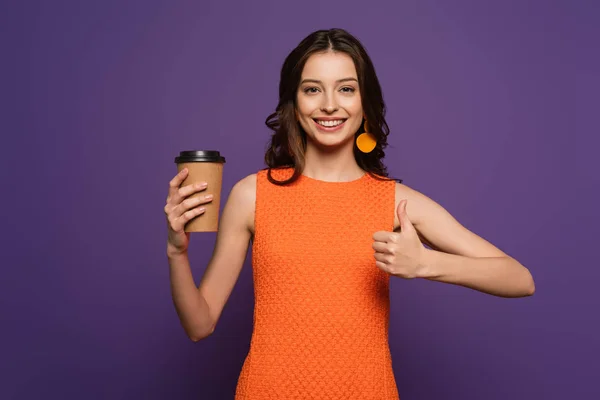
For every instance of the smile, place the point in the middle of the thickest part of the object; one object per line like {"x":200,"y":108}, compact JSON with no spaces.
{"x":329,"y":125}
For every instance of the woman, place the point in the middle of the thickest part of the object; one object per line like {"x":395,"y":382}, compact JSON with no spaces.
{"x":328,"y":229}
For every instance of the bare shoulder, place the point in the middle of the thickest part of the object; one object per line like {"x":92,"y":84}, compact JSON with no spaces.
{"x":243,"y":196}
{"x":416,"y":204}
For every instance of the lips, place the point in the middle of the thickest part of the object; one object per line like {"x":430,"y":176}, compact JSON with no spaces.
{"x":330,"y":123}
{"x":330,"y":118}
{"x":333,"y":124}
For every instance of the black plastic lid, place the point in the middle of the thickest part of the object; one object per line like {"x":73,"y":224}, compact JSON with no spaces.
{"x":199,"y":156}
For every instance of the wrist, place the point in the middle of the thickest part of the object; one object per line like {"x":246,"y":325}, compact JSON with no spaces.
{"x":173,"y":254}
{"x":426,"y":264}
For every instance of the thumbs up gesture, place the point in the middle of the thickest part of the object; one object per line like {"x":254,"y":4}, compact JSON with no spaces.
{"x":399,"y":254}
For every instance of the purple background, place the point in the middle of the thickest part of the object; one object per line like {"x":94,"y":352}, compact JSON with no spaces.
{"x":490,"y":106}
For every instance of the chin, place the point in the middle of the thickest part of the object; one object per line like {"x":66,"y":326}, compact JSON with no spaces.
{"x":329,"y":139}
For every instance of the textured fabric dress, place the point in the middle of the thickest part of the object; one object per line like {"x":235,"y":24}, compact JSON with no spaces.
{"x":321,"y":312}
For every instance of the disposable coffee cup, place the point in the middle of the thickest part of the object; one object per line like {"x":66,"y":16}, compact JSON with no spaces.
{"x":203,"y":166}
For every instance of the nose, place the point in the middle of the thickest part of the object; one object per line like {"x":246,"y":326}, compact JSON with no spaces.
{"x":329,"y":103}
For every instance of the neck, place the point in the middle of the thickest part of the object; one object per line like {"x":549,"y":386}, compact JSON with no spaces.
{"x":334,"y":165}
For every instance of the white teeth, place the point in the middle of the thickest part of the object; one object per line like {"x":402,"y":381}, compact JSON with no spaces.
{"x":330,"y":123}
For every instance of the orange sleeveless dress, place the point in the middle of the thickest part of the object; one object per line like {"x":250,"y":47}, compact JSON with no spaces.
{"x":321,"y":311}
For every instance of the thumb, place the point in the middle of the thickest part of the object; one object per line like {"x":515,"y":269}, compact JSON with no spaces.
{"x":405,"y":223}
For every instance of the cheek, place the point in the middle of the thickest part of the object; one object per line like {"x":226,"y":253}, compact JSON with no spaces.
{"x":353,"y":105}
{"x":357,"y":112}
{"x":356,"y":123}
{"x":304,"y":118}
{"x":305,"y":125}
{"x":306,"y":107}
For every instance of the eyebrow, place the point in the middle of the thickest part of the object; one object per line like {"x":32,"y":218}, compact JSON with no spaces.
{"x":319,"y":82}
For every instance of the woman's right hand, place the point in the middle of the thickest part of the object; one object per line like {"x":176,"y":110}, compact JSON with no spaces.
{"x":179,"y":210}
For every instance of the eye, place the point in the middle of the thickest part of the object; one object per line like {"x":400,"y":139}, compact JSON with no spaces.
{"x":311,"y":90}
{"x":348,"y":89}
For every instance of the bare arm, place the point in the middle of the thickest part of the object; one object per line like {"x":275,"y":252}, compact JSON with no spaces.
{"x":199,"y":308}
{"x":231,"y":247}
{"x":191,"y":307}
{"x":459,"y":256}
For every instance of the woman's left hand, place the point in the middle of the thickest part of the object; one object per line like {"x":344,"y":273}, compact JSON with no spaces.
{"x":400,"y":254}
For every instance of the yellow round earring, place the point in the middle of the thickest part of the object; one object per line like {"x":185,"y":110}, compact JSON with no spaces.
{"x":366,"y":142}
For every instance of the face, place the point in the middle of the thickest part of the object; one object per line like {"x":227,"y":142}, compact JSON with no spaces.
{"x":329,"y":106}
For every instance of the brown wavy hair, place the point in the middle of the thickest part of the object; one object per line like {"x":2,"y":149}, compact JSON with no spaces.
{"x":288,"y":142}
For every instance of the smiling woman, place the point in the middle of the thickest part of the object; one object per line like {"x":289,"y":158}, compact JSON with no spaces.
{"x":341,"y":95}
{"x":329,"y":229}
{"x":327,"y":92}
{"x":321,"y":303}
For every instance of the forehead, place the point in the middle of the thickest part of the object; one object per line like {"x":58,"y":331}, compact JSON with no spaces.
{"x":329,"y":66}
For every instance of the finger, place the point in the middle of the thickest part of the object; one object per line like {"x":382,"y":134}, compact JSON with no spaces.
{"x":384,"y":258}
{"x":188,"y":204}
{"x":382,"y":248}
{"x":405,"y":224}
{"x":382,"y":265}
{"x":186,"y":191}
{"x":186,"y":216}
{"x":386,"y":237}
{"x":176,"y":181}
